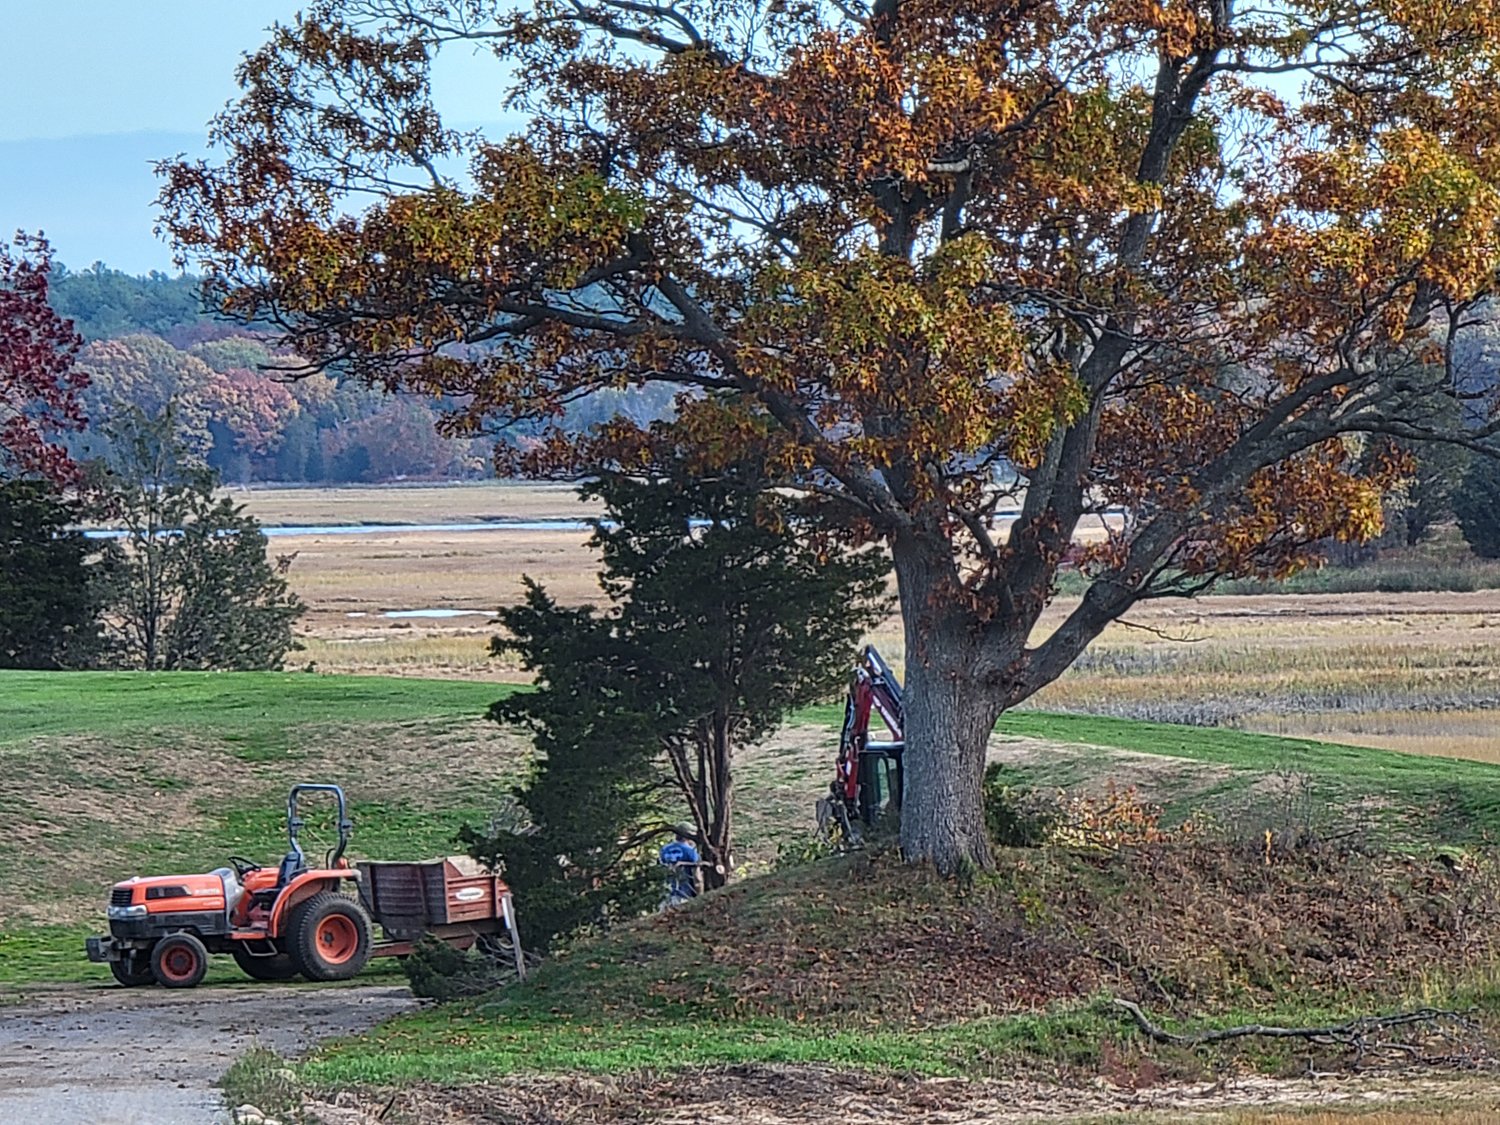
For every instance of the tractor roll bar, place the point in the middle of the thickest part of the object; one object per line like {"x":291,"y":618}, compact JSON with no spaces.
{"x":295,"y":823}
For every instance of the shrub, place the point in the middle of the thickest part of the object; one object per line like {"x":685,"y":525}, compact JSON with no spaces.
{"x":1118,"y":819}
{"x":437,"y":971}
{"x":1018,"y":817}
{"x":804,"y":850}
{"x":1015,"y":816}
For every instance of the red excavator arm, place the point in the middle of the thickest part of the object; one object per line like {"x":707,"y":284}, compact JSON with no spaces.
{"x":868,"y":777}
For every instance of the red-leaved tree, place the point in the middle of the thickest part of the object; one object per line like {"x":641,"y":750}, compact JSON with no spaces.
{"x":39,"y":385}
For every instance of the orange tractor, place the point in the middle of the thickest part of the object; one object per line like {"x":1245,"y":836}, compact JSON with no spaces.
{"x":295,"y":919}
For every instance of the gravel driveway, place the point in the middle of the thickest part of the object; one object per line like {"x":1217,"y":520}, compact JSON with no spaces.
{"x":148,"y":1056}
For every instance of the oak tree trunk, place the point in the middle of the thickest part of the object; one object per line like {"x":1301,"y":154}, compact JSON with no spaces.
{"x":949,"y":716}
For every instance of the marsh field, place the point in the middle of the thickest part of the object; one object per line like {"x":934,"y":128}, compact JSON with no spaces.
{"x":1417,"y":672}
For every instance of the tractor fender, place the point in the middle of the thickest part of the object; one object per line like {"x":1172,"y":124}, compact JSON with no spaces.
{"x":302,"y":888}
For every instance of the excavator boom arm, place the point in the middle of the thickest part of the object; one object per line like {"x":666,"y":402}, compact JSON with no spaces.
{"x":873,"y":689}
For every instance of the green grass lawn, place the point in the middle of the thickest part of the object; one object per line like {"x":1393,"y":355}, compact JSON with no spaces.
{"x":475,"y":1042}
{"x":112,"y":774}
{"x":248,"y":706}
{"x":108,"y":775}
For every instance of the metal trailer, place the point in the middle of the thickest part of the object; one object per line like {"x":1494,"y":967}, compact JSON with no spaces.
{"x":451,"y":899}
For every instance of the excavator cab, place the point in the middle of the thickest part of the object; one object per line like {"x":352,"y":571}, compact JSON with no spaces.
{"x":880,"y":783}
{"x":869,"y":777}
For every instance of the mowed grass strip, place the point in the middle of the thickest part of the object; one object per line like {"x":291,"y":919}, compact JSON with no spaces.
{"x":39,"y":704}
{"x":455,"y":1045}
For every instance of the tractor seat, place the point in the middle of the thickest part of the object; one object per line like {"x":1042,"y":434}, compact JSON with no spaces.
{"x":292,"y":865}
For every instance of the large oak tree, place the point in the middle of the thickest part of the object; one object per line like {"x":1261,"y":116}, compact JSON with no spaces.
{"x":1180,"y":259}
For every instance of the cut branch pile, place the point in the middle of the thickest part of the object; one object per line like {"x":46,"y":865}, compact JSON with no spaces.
{"x":1363,"y":1035}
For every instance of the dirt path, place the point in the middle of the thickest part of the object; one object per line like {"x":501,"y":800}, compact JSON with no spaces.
{"x":812,"y":1095}
{"x":86,"y":1055}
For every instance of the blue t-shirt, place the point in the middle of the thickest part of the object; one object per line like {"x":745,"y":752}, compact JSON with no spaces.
{"x":677,"y":852}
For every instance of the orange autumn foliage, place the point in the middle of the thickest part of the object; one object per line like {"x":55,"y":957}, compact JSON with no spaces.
{"x":1177,"y":259}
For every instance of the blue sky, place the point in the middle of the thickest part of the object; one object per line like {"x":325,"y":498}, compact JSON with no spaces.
{"x":92,"y":91}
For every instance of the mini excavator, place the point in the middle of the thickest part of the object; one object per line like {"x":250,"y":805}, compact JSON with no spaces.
{"x":868,"y":776}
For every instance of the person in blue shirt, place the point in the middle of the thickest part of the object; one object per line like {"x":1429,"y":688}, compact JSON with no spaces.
{"x":682,"y":858}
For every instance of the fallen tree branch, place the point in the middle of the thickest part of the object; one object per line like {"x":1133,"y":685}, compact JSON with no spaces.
{"x":1350,"y":1034}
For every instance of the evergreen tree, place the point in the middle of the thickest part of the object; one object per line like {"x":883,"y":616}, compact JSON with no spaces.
{"x":736,"y":618}
{"x":49,"y":611}
{"x":591,"y":795}
{"x":722,"y":619}
{"x":1425,"y":495}
{"x":1439,"y":472}
{"x":1477,"y":506}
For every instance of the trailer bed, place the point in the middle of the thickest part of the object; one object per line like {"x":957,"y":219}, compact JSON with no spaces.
{"x":451,"y":899}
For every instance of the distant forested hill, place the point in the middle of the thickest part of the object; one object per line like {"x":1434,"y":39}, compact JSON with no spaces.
{"x":103,"y":303}
{"x":149,"y":341}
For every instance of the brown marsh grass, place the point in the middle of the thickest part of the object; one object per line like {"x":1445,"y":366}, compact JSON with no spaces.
{"x":1413,"y":672}
{"x":414,"y":503}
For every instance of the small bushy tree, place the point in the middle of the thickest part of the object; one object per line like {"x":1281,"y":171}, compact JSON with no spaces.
{"x":49,"y":607}
{"x":193,"y":588}
{"x":722,"y":618}
{"x":592,"y":793}
{"x":1477,"y":506}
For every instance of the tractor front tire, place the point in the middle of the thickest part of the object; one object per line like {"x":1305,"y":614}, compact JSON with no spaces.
{"x":133,"y":970}
{"x":329,"y":937}
{"x":277,"y":966}
{"x":179,"y":961}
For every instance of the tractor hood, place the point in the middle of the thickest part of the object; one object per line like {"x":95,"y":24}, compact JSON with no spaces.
{"x":167,"y":894}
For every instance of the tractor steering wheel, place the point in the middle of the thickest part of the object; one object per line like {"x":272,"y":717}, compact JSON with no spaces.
{"x":243,"y":866}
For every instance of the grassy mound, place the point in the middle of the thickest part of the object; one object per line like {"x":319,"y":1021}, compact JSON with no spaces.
{"x":867,"y":940}
{"x":863,"y":961}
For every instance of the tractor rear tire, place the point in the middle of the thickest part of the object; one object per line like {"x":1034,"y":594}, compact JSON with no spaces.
{"x":277,"y":966}
{"x":329,"y":937}
{"x":133,"y":971}
{"x":179,"y":961}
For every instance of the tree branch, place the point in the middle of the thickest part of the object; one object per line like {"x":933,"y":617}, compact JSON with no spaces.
{"x":1351,"y":1033}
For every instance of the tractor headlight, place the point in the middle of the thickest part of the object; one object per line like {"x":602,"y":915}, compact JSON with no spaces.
{"x":119,"y":913}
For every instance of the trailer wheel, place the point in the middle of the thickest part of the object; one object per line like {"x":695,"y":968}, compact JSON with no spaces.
{"x":179,"y":961}
{"x":329,"y":937}
{"x":276,"y":966}
{"x":133,"y":970}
